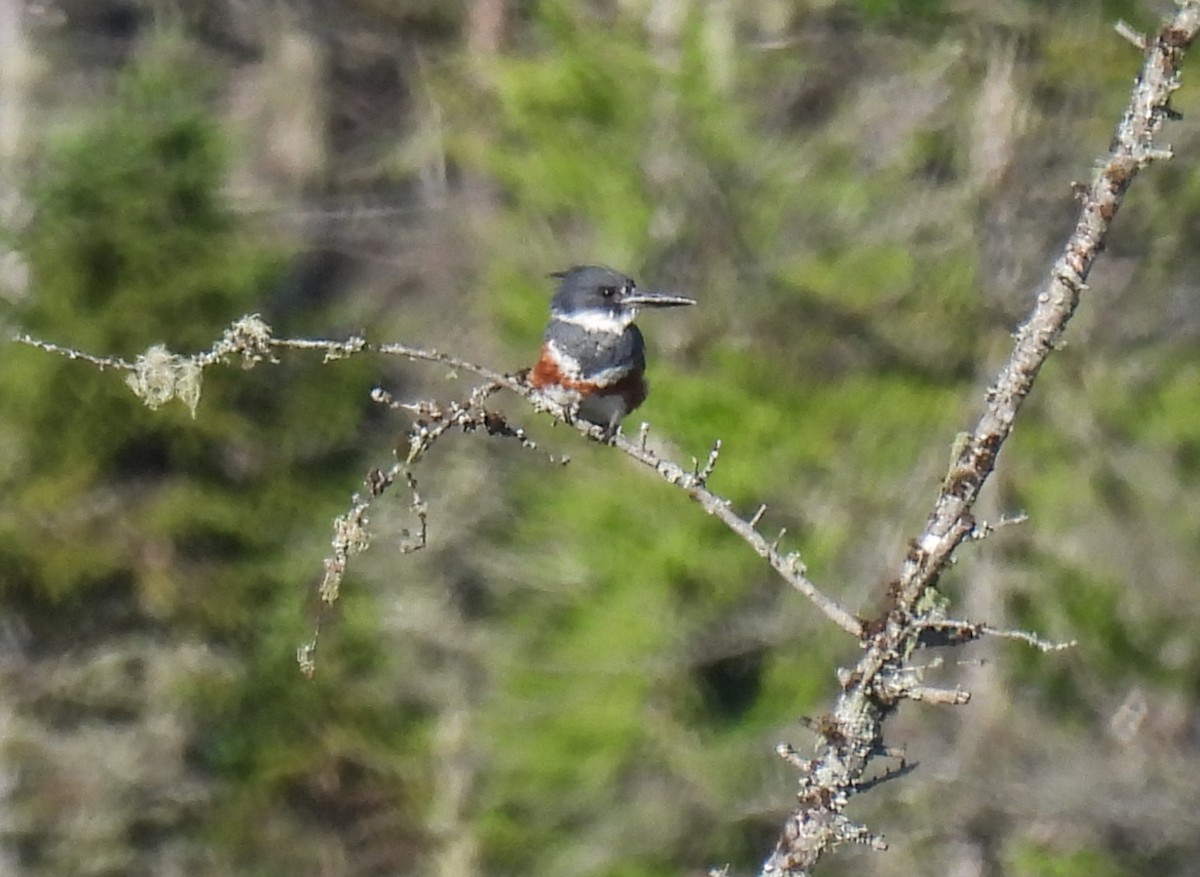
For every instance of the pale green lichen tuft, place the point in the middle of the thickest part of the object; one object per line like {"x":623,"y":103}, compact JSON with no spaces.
{"x":159,"y":376}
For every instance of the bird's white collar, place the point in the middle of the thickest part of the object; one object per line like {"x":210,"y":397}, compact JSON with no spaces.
{"x":600,"y":320}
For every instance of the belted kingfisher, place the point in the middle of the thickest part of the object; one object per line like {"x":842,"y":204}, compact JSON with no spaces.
{"x":593,"y":359}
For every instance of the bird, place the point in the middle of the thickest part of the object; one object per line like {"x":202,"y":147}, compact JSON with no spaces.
{"x":593,"y":357}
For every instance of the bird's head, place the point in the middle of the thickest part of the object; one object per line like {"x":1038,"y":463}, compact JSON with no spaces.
{"x":603,"y":300}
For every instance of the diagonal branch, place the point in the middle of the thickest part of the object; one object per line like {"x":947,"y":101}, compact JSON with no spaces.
{"x":851,"y":737}
{"x":159,"y":376}
{"x":788,"y":565}
{"x":1132,"y":150}
{"x":693,"y":483}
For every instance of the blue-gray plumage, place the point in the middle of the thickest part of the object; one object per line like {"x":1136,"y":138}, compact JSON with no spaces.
{"x":593,"y":358}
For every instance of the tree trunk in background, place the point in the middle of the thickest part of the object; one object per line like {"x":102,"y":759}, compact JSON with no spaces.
{"x":16,"y":73}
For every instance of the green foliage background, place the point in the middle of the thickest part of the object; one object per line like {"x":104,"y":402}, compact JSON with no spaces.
{"x":582,"y":674}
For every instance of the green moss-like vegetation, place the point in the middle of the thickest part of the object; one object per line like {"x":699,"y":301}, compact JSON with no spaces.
{"x":174,"y":523}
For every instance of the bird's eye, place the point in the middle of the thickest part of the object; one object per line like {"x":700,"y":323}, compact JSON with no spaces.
{"x":608,"y":291}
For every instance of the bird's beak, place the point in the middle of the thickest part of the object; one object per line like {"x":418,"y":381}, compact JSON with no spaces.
{"x":656,"y":300}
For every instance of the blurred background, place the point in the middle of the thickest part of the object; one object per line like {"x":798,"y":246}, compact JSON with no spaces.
{"x":582,"y":674}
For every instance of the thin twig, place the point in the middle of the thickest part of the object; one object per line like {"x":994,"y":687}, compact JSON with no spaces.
{"x":100,"y":362}
{"x":1031,"y":639}
{"x":758,"y":516}
{"x":352,"y":536}
{"x":1135,"y":37}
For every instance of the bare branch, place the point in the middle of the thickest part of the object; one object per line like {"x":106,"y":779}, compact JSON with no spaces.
{"x":1028,"y":638}
{"x":705,"y":472}
{"x":788,"y":566}
{"x":250,"y":339}
{"x":415,"y":542}
{"x":983,"y":529}
{"x":1132,"y":149}
{"x":872,"y":689}
{"x":1136,"y":38}
{"x":352,"y":536}
{"x":100,"y":362}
